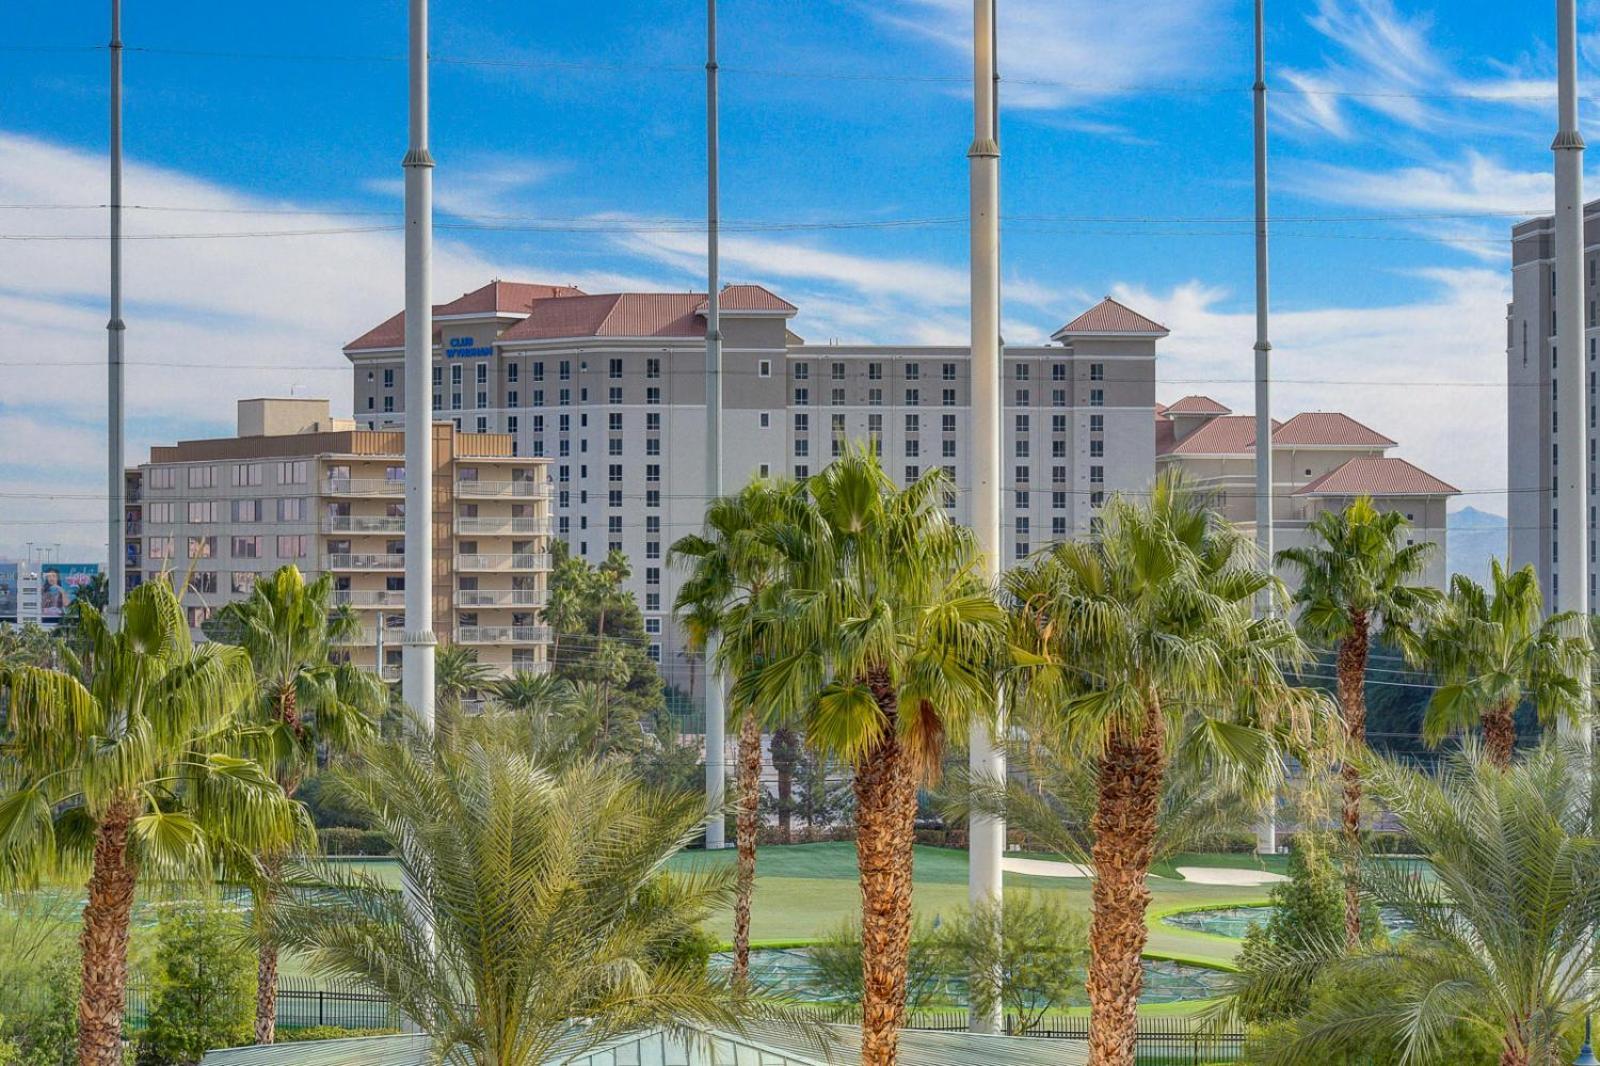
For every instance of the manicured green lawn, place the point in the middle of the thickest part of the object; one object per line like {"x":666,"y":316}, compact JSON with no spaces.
{"x":804,"y":890}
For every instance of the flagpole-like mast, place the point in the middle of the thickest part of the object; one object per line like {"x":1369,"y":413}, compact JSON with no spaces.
{"x":116,"y":507}
{"x":1571,"y":505}
{"x":986,"y":760}
{"x":418,"y":641}
{"x":716,"y":722}
{"x":1267,"y":836}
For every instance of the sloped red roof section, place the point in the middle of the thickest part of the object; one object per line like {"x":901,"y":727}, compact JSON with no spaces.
{"x":1110,"y":318}
{"x":1223,"y":435}
{"x":497,"y":297}
{"x":1198,"y":405}
{"x":1328,"y":429}
{"x":750,"y":298}
{"x":1378,"y":477}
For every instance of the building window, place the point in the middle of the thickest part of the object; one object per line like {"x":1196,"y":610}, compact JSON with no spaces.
{"x":1058,"y":371}
{"x":203,"y":548}
{"x":948,"y":371}
{"x":801,"y":471}
{"x":802,"y":397}
{"x":874,"y":371}
{"x":293,"y":547}
{"x":949,"y":449}
{"x":802,"y":371}
{"x":1097,"y":371}
{"x":202,"y":477}
{"x":764,"y":368}
{"x":913,"y":397}
{"x":949,"y":423}
{"x":837,"y":371}
{"x":246,"y":547}
{"x":949,"y":398}
{"x":1097,"y":475}
{"x":1097,"y":397}
{"x":802,"y":447}
{"x":837,"y":398}
{"x":1021,"y":371}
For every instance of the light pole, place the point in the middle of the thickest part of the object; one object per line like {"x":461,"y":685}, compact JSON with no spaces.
{"x":417,"y":640}
{"x":116,"y":489}
{"x":1267,"y":835}
{"x":986,"y":758}
{"x":716,"y":711}
{"x":1586,"y":1052}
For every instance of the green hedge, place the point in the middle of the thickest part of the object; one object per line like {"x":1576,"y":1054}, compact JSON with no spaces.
{"x":347,"y":840}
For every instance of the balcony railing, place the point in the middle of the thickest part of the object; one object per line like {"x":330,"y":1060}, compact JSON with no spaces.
{"x":499,"y":598}
{"x":389,"y":671}
{"x":345,"y":486}
{"x":135,"y":529}
{"x":490,"y":490}
{"x":369,"y":597}
{"x":364,"y":562}
{"x":502,"y":634}
{"x":505,"y":525}
{"x":520,"y":561}
{"x":362,"y":524}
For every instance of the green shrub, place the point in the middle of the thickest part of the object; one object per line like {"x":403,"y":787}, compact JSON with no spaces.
{"x":44,"y":1027}
{"x":1037,"y":961}
{"x":203,"y":986}
{"x":836,"y":966}
{"x":347,"y":840}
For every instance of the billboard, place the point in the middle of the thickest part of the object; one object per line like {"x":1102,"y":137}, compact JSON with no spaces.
{"x":59,"y":585}
{"x":8,"y":592}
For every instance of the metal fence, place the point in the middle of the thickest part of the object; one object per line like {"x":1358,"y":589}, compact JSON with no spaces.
{"x":302,"y":1003}
{"x":1162,"y":1041}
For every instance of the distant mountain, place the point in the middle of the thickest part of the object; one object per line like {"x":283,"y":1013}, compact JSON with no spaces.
{"x":1472,"y":538}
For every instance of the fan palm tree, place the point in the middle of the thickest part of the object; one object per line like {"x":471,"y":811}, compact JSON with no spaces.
{"x":306,"y":704}
{"x":1493,"y":648}
{"x":1501,"y":938}
{"x":734,"y":572}
{"x":1357,"y":581}
{"x":883,"y":645}
{"x":457,"y":676}
{"x":126,"y":760}
{"x":537,"y":913}
{"x":1136,"y":648}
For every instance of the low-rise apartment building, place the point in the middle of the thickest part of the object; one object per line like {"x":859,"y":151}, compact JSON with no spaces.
{"x":295,"y":486}
{"x":611,"y":388}
{"x":1321,"y":461}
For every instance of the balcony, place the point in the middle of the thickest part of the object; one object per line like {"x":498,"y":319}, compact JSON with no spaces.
{"x":502,"y":526}
{"x":499,"y":598}
{"x":134,"y":528}
{"x":364,"y":562}
{"x":345,"y":486}
{"x":501,"y":490}
{"x":362,"y":524}
{"x":389,"y":672}
{"x":502,"y":634}
{"x":500,"y":563}
{"x":369,"y":598}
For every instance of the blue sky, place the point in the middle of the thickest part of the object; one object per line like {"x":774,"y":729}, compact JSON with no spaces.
{"x":570,"y":136}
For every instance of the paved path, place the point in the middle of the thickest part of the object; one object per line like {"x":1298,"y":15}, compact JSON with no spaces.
{"x":1208,"y":875}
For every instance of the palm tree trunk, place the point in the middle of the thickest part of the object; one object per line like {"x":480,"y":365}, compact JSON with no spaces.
{"x":1128,"y":802}
{"x":1500,"y":734}
{"x":1352,"y":678}
{"x":104,"y":940}
{"x":266,"y":952}
{"x":745,"y":834}
{"x":1513,"y":1056}
{"x":886,"y":811}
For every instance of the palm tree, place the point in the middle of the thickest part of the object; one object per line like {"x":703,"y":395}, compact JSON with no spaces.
{"x":535,"y":897}
{"x":1493,"y":648}
{"x":306,"y":704}
{"x":1501,"y":937}
{"x":126,"y":759}
{"x":457,"y":676}
{"x":1135,"y":648}
{"x":734,"y":572}
{"x":884,"y":645}
{"x":1357,"y":581}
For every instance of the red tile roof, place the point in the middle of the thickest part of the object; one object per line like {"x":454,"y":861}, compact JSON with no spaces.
{"x":1223,"y":435}
{"x":1108,"y":318}
{"x":750,"y":298}
{"x":1328,"y":429}
{"x":1377,"y":477}
{"x":1198,"y":405}
{"x":497,"y":297}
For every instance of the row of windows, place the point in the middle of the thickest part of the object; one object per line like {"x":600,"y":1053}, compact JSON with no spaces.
{"x":947,"y":398}
{"x":291,"y":472}
{"x":292,"y":546}
{"x":207,"y":512}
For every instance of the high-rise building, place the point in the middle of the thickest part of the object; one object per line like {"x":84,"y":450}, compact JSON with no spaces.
{"x":610,"y":389}
{"x":1321,"y":461}
{"x":298,"y":487}
{"x":1533,"y":356}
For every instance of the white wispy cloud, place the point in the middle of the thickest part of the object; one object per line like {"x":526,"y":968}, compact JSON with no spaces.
{"x":1054,"y":52}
